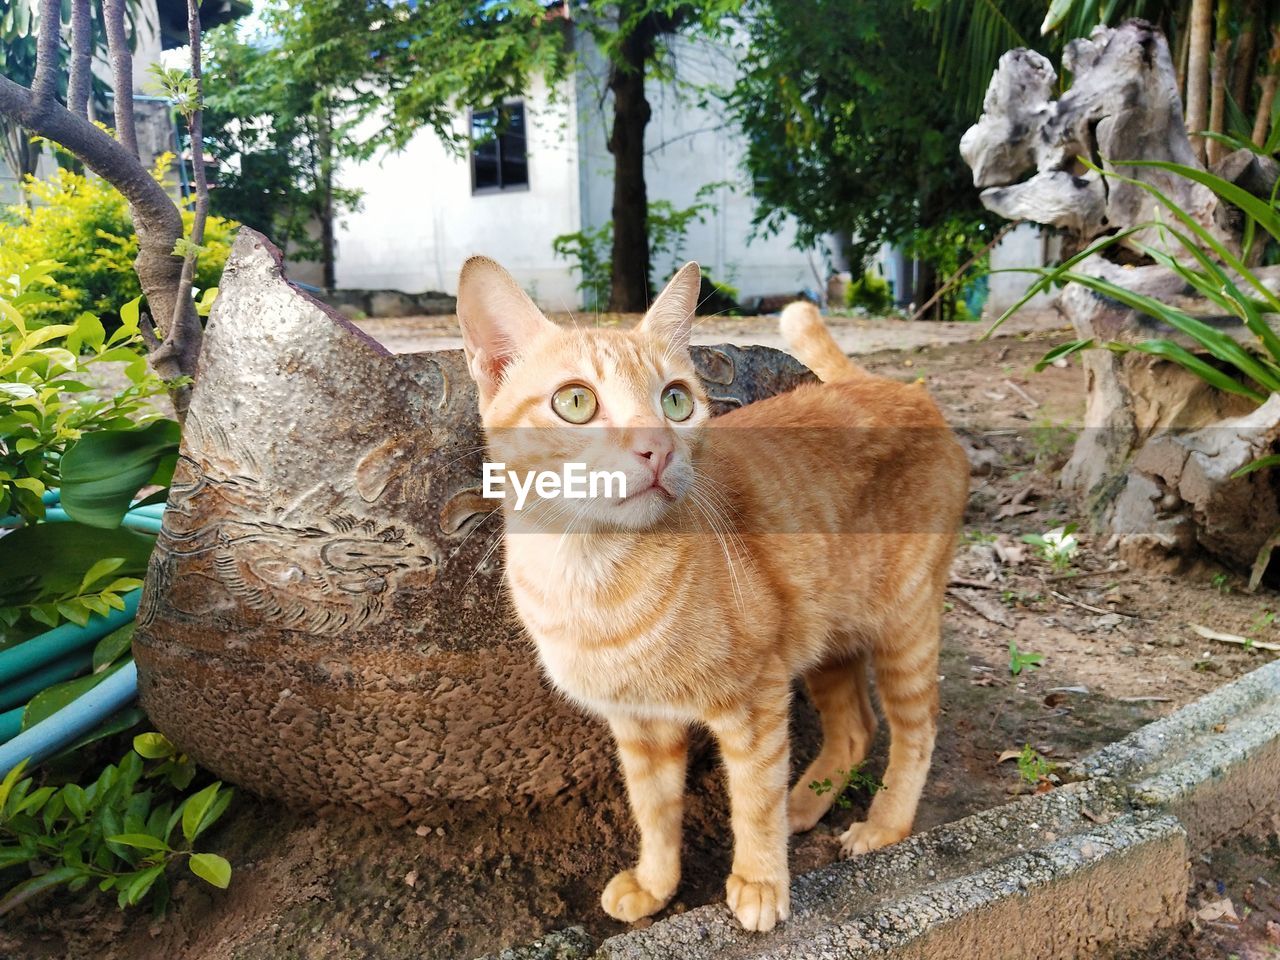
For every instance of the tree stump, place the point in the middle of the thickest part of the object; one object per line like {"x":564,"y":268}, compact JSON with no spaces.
{"x":1153,"y":464}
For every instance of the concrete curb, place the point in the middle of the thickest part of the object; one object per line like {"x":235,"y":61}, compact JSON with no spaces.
{"x":1092,"y":868}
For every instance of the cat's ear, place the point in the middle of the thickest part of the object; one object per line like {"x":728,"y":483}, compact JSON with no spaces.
{"x":498,"y":321}
{"x":671,"y":316}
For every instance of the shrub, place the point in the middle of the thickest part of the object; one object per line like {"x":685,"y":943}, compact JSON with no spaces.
{"x":590,"y":250}
{"x":48,"y":398}
{"x":871,"y":293}
{"x":83,"y":224}
{"x":118,"y":832}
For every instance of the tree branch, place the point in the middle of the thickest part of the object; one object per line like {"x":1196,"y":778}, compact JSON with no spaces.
{"x":121,"y":73}
{"x":185,"y":332}
{"x":45,"y":84}
{"x":101,"y":154}
{"x":81,"y":81}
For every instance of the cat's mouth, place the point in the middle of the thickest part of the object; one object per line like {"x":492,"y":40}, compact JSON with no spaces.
{"x":654,"y":486}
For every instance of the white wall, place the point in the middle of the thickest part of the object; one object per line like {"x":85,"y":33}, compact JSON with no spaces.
{"x":690,"y":146}
{"x":1026,"y":245}
{"x":418,"y":220}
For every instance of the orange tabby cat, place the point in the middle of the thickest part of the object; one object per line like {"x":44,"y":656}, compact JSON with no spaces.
{"x":809,"y":534}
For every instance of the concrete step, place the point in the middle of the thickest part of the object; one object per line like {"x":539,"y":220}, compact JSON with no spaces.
{"x":1092,"y":868}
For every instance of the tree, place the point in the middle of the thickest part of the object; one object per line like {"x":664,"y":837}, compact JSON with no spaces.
{"x":19,"y":27}
{"x":846,"y":134}
{"x":478,"y":54}
{"x":632,"y":35}
{"x":166,"y":260}
{"x":271,"y":123}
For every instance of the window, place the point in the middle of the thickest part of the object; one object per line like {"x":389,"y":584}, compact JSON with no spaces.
{"x":498,"y":153}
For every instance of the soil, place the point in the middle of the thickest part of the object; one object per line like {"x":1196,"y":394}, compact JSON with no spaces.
{"x":467,"y":879}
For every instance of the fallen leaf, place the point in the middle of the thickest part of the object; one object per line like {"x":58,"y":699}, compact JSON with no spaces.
{"x":985,"y":682}
{"x":411,"y":878}
{"x":1218,"y":910}
{"x":1021,"y":495}
{"x":1008,"y":552}
{"x":1008,"y":755}
{"x":1014,"y":510}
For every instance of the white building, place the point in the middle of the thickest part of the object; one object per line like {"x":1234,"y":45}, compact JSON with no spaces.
{"x":425,"y":209}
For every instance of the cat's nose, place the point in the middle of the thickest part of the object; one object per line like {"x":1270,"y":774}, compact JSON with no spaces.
{"x":653,"y":447}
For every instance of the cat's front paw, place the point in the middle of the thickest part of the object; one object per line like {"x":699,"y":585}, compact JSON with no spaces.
{"x":864,"y":837}
{"x":627,"y":900}
{"x":758,"y":904}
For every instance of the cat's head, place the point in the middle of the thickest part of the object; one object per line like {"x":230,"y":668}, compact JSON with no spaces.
{"x":618,"y":401}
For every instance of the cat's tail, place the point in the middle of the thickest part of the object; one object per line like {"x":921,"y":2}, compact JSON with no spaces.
{"x":812,"y":343}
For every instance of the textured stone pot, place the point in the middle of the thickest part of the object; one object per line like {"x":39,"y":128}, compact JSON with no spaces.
{"x":324,"y":619}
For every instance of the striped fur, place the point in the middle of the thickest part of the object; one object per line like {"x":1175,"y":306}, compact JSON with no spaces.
{"x":702,"y":609}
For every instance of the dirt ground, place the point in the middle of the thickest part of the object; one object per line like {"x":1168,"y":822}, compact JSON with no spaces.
{"x":1117,"y":652}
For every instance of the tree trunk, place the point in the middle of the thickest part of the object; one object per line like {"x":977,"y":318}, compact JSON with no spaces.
{"x":1183,"y":45}
{"x":1198,"y":74}
{"x":328,"y":256}
{"x":1245,"y":57}
{"x":629,"y":284}
{"x":1214,"y":149}
{"x":1262,"y":121}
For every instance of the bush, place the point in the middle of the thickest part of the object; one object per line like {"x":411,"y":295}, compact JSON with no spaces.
{"x":83,"y":224}
{"x":870,"y":293}
{"x":48,"y":398}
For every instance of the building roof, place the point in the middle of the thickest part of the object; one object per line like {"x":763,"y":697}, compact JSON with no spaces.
{"x":213,"y":13}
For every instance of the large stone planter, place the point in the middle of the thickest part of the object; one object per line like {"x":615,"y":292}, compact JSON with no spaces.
{"x":324,"y":620}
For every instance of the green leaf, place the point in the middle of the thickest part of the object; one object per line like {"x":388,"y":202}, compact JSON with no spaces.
{"x":50,"y":559}
{"x":74,"y":797}
{"x":1264,"y":213}
{"x":211,"y":868}
{"x":1262,"y":463}
{"x":11,"y":856}
{"x":110,"y":647}
{"x":142,"y":881}
{"x":103,"y":471}
{"x":1063,"y":350}
{"x":153,"y":746}
{"x":11,"y":778}
{"x":1180,"y":355}
{"x":142,"y":841}
{"x":28,"y":889}
{"x":195,"y":809}
{"x":105,"y":566}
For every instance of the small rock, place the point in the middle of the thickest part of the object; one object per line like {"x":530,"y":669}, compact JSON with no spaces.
{"x":1128,"y":651}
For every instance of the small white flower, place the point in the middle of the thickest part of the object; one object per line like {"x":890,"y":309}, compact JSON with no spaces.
{"x":1060,"y":544}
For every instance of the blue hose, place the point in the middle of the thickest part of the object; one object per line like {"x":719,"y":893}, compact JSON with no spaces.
{"x":26,"y":687}
{"x":11,"y":724}
{"x":19,"y":660}
{"x":71,"y":722}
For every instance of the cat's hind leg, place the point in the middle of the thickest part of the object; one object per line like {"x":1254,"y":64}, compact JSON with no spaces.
{"x":839,"y":691}
{"x":906,"y":667}
{"x":654,"y":755}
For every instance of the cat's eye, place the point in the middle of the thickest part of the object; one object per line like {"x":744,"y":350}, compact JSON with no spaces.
{"x":574,"y":403}
{"x":677,"y":402}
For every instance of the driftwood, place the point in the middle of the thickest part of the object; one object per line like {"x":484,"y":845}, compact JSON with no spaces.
{"x":1153,"y":465}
